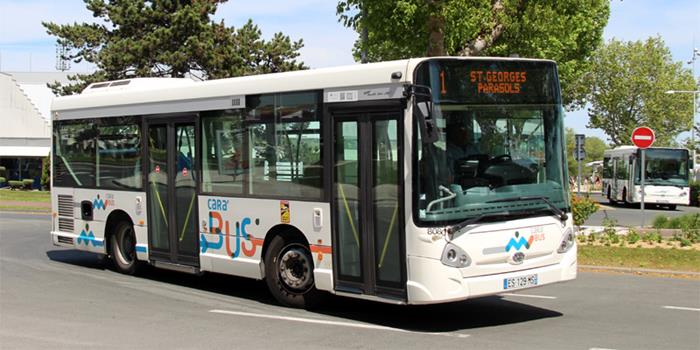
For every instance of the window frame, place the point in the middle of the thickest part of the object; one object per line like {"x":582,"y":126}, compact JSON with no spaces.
{"x":247,"y":122}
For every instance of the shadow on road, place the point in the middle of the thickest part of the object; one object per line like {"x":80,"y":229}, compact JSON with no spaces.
{"x":456,"y":316}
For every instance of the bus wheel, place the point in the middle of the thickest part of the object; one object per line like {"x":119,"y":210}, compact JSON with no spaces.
{"x":289,"y":272}
{"x":624,"y":197}
{"x":123,"y":245}
{"x":671,"y":207}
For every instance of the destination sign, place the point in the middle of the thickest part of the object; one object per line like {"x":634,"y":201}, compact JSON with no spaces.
{"x":490,"y":81}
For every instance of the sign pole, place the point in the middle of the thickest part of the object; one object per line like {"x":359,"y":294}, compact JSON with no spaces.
{"x":643,"y":171}
{"x":579,"y":177}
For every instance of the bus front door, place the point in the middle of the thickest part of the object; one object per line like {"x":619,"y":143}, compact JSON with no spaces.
{"x":369,"y":247}
{"x":172,"y":195}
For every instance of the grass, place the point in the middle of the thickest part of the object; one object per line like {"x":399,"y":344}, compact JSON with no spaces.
{"x":648,"y":258}
{"x":25,"y":196}
{"x":31,"y":201}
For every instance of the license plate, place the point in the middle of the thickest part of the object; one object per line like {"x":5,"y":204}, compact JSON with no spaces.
{"x":520,"y":282}
{"x":662,"y":200}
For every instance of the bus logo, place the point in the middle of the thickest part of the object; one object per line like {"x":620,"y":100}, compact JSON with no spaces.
{"x":518,"y":242}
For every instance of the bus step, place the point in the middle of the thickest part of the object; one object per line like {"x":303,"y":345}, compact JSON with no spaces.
{"x":176,"y":267}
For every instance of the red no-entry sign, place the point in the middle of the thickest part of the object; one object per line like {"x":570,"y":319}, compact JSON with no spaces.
{"x":643,"y":137}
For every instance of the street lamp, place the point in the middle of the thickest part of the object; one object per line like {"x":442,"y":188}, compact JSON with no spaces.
{"x":692,"y":125}
{"x":696,"y":54}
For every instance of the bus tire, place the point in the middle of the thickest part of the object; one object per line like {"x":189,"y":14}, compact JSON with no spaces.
{"x":624,"y":197}
{"x":123,"y":246}
{"x":671,"y":207}
{"x":289,"y":274}
{"x":610,"y":199}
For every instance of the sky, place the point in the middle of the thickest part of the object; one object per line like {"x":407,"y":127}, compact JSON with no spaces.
{"x":25,"y":46}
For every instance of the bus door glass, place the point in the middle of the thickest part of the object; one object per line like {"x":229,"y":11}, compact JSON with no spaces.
{"x":172,"y":192}
{"x":368,"y":222}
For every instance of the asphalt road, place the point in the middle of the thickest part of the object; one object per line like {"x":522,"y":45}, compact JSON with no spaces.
{"x":58,"y":298}
{"x":631,"y":215}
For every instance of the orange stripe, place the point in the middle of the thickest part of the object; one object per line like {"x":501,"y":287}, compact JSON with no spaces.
{"x":325,"y":249}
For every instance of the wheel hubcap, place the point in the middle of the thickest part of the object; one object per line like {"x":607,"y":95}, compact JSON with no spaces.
{"x":295,"y":268}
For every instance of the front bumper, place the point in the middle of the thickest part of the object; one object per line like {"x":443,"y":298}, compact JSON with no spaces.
{"x":432,"y":282}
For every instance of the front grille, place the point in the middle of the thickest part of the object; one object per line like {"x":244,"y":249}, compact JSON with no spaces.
{"x":65,"y":240}
{"x":65,"y":224}
{"x":65,"y":206}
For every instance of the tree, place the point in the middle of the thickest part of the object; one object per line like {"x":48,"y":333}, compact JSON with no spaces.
{"x":567,"y":31}
{"x":626,"y":88}
{"x":155,"y":38}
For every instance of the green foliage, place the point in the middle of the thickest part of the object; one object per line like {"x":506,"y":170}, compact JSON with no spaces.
{"x":27,"y":183}
{"x":652,"y":237}
{"x":695,"y":193}
{"x":2,"y":180}
{"x":689,"y":221}
{"x":15,"y":185}
{"x":660,"y":221}
{"x":141,"y":38}
{"x":632,"y":236}
{"x":582,"y":207}
{"x":3,"y":170}
{"x":46,"y":173}
{"x":567,"y":31}
{"x":626,"y":88}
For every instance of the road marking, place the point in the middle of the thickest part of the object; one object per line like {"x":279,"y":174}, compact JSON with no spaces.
{"x":681,"y":308}
{"x":528,"y":296}
{"x":334,"y":323}
{"x":600,"y":349}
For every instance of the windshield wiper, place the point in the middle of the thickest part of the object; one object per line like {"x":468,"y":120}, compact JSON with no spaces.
{"x":562,"y":215}
{"x":456,"y":227}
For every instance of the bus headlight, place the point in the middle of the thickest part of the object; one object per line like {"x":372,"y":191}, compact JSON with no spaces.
{"x":567,"y":241}
{"x":454,"y":256}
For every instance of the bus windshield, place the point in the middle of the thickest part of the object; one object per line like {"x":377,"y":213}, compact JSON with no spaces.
{"x":664,"y":167}
{"x":494,"y":148}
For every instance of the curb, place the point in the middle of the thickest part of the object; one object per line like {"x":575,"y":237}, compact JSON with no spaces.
{"x":641,"y":270}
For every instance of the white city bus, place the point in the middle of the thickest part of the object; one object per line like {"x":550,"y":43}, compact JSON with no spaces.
{"x":665,"y":180}
{"x":413,"y":182}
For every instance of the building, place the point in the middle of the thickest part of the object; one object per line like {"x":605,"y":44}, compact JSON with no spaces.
{"x":25,"y":127}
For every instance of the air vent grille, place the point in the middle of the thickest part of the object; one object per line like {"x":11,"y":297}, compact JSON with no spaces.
{"x":65,"y":224}
{"x":65,"y":206}
{"x":65,"y":240}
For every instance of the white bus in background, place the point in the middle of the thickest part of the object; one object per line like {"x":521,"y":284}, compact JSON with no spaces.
{"x":666,"y":179}
{"x":413,"y":182}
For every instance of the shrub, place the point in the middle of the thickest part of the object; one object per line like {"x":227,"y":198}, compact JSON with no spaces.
{"x":695,"y":193}
{"x":660,"y":222}
{"x":582,"y":207}
{"x":46,"y":173}
{"x":652,"y":237}
{"x":632,"y":236}
{"x":28,"y":183}
{"x":2,"y":181}
{"x":15,"y":185}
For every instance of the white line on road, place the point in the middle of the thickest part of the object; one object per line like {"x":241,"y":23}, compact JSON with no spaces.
{"x":600,"y":349}
{"x":333,"y":323}
{"x":528,"y":296}
{"x":681,"y":308}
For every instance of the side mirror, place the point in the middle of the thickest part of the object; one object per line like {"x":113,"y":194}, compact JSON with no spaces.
{"x":423,"y":112}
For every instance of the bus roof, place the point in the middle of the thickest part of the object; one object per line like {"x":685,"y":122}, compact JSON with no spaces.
{"x":108,"y":96}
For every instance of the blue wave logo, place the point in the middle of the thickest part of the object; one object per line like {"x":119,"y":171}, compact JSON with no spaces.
{"x":99,"y":203}
{"x":518,"y":243}
{"x":86,"y":237}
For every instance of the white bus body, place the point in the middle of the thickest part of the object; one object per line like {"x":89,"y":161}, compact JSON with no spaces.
{"x":319,"y":180}
{"x":666,"y":177}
